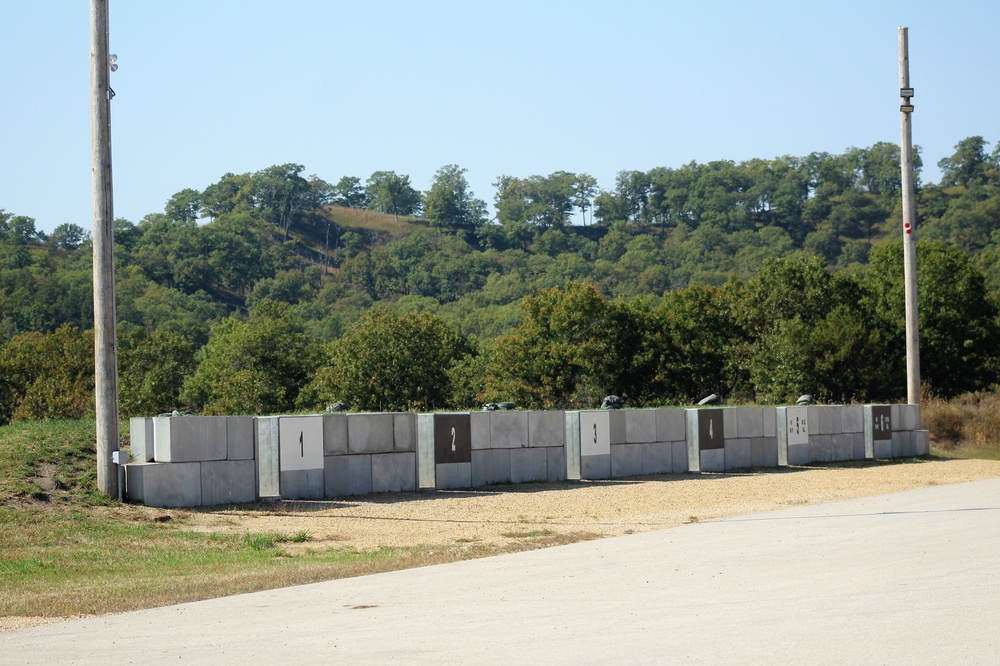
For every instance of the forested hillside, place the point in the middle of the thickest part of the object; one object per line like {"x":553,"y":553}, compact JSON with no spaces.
{"x":271,"y":292}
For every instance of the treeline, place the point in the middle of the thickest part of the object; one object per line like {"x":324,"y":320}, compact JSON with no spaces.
{"x":662,"y":297}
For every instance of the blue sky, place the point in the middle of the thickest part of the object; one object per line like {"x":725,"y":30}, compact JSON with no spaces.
{"x":516,"y":87}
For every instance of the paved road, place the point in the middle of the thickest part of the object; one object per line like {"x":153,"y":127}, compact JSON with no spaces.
{"x":912,"y":577}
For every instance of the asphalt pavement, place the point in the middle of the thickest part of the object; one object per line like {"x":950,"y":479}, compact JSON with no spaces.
{"x":907,"y":578}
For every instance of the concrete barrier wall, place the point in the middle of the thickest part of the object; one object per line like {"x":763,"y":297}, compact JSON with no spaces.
{"x":191,"y":461}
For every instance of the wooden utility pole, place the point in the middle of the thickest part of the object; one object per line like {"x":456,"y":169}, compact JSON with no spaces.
{"x":105,"y":345}
{"x":909,"y":223}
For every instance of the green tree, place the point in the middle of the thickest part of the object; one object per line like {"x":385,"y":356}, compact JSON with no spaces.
{"x":257,"y":366}
{"x":152,"y":368}
{"x":390,"y":362}
{"x":391,"y":193}
{"x":47,"y":376}
{"x":450,"y":202}
{"x":350,"y":193}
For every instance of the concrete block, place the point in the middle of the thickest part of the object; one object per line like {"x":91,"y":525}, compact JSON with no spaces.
{"x":658,"y":458}
{"x":572,"y":445}
{"x":831,"y":420}
{"x":266,"y":455}
{"x":738,"y":454}
{"x":528,"y":465}
{"x":404,"y":432}
{"x":595,"y":434}
{"x":479,"y":423}
{"x":843,"y":446}
{"x":335,"y":435}
{"x":347,"y":475}
{"x":425,"y":451}
{"x":901,"y":445}
{"x":852,"y":418}
{"x":749,"y":422}
{"x":616,"y":423}
{"x":508,"y":430}
{"x":490,"y":466}
{"x":394,"y":472}
{"x":921,"y":440}
{"x":712,"y":460}
{"x":300,"y":445}
{"x":166,"y":485}
{"x":302,"y":484}
{"x":798,"y":454}
{"x":858,"y":440}
{"x":882,"y":449}
{"x":905,"y":417}
{"x":546,"y":429}
{"x":228,"y":482}
{"x":764,"y":452}
{"x":640,"y":426}
{"x":797,"y":422}
{"x":671,"y":425}
{"x":729,"y":422}
{"x":239,"y":437}
{"x":706,"y":427}
{"x":141,"y":437}
{"x":189,"y":438}
{"x":370,"y":433}
{"x":596,"y":467}
{"x":626,"y":460}
{"x":821,"y":448}
{"x":555,"y":463}
{"x":680,"y":457}
{"x":454,"y":475}
{"x":769,"y":418}
{"x":691,"y":438}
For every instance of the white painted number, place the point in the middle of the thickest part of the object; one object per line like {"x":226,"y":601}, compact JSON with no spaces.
{"x":453,"y":448}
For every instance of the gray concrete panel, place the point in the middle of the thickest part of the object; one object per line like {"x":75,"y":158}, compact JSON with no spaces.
{"x":266,"y":455}
{"x":335,"y":435}
{"x":595,"y":433}
{"x":546,"y":429}
{"x":769,"y":416}
{"x":843,"y":446}
{"x":640,"y":426}
{"x":680,"y":455}
{"x":798,"y":454}
{"x":300,"y":443}
{"x":228,"y":482}
{"x":821,"y":448}
{"x":189,"y":438}
{"x":781,"y":424}
{"x":370,"y":433}
{"x":905,"y":417}
{"x":404,"y":432}
{"x":394,"y":472}
{"x":133,"y":481}
{"x":555,"y":464}
{"x":712,"y":460}
{"x":479,"y":423}
{"x":883,"y":448}
{"x":858,"y":441}
{"x":572,"y":445}
{"x":425,"y":451}
{"x":302,"y":484}
{"x":141,"y":439}
{"x":657,"y":458}
{"x":616,"y":424}
{"x":749,"y":422}
{"x":921,"y":442}
{"x":169,"y":485}
{"x":454,"y":476}
{"x":239,"y":437}
{"x":508,"y":430}
{"x":764,"y":452}
{"x":901,"y":445}
{"x":852,"y":418}
{"x":831,"y":421}
{"x":490,"y":466}
{"x":738,"y":454}
{"x":595,"y":467}
{"x":347,"y":475}
{"x":693,"y":434}
{"x":728,"y":422}
{"x":528,"y":465}
{"x":626,"y":460}
{"x":671,"y":425}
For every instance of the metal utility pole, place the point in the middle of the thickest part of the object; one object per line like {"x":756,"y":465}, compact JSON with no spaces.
{"x":909,"y":223}
{"x":105,"y":345}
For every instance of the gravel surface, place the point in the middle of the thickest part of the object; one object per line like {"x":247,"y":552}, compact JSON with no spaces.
{"x":502,"y":515}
